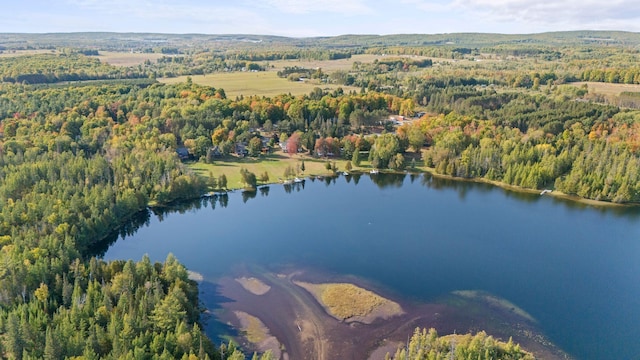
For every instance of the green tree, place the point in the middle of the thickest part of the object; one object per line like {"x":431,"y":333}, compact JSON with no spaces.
{"x":385,"y":147}
{"x":248,"y":178}
{"x":255,"y":146}
{"x":416,"y":137}
{"x":355,"y":159}
{"x":170,"y":311}
{"x":222,"y":182}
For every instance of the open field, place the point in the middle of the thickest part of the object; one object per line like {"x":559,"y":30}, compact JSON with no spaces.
{"x":126,"y":58}
{"x":15,"y":53}
{"x":274,"y":164}
{"x":264,"y":83}
{"x":607,"y":88}
{"x":326,"y":65}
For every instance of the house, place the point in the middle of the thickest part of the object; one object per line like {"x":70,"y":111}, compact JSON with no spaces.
{"x":215,"y":151}
{"x":241,"y":149}
{"x":183,"y":153}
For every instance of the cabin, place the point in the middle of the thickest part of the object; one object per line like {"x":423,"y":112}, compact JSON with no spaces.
{"x":241,"y":150}
{"x":183,"y":153}
{"x":215,"y":151}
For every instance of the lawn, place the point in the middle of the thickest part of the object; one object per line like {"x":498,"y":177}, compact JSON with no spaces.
{"x":263,"y":83}
{"x":274,"y":164}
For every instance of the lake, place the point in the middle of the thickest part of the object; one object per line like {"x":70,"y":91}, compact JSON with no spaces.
{"x":574,"y":268}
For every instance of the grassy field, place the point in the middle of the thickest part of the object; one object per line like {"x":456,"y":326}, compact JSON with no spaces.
{"x":264,"y":83}
{"x":127,"y":59}
{"x":608,"y":89}
{"x":15,"y":53}
{"x":274,"y":164}
{"x":326,"y":65}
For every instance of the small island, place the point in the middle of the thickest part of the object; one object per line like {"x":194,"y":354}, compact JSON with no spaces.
{"x":350,"y":303}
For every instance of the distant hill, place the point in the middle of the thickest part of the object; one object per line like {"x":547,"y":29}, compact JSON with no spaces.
{"x":149,"y":41}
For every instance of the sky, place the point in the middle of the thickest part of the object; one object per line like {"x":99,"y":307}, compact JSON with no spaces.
{"x":306,"y":18}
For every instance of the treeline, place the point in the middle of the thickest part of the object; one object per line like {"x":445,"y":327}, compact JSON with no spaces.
{"x":301,"y":54}
{"x":575,"y":147}
{"x":440,"y":50}
{"x":295,"y":73}
{"x":615,"y":75}
{"x":39,"y":69}
{"x":427,"y":345}
{"x":198,"y":64}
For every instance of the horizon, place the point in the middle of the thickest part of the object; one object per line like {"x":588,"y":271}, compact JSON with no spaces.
{"x":300,"y":19}
{"x":317,"y":36}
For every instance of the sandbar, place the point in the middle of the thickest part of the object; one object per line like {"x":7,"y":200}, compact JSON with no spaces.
{"x":253,"y":285}
{"x":349,"y":303}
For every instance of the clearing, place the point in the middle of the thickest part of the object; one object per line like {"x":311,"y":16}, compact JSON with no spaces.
{"x":126,"y":58}
{"x":608,"y":88}
{"x":273,"y":164}
{"x":247,"y":83}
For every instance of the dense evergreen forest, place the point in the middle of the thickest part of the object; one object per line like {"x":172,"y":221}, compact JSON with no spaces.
{"x":79,"y":158}
{"x":427,"y":345}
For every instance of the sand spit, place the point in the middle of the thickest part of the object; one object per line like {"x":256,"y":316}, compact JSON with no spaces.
{"x":253,"y":285}
{"x":494,"y":301}
{"x":258,"y":334}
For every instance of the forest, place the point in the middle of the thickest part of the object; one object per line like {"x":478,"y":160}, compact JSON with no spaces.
{"x":86,"y":145}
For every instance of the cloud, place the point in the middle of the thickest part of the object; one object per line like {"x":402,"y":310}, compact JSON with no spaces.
{"x":567,"y":13}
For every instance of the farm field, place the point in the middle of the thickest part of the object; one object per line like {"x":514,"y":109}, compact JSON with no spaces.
{"x":265,"y":83}
{"x":329,"y":66}
{"x":15,"y":53}
{"x":126,"y":58}
{"x":608,"y":88}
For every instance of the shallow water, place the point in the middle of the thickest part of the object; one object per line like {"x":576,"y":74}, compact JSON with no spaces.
{"x":574,"y":268}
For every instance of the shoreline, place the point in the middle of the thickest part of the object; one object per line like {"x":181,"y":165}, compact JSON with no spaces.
{"x":553,"y":193}
{"x":421,"y":170}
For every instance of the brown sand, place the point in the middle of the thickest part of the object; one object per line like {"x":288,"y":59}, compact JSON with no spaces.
{"x":258,"y":334}
{"x":253,"y":285}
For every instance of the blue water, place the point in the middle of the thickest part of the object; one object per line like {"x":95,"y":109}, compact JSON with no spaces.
{"x":574,"y":268}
